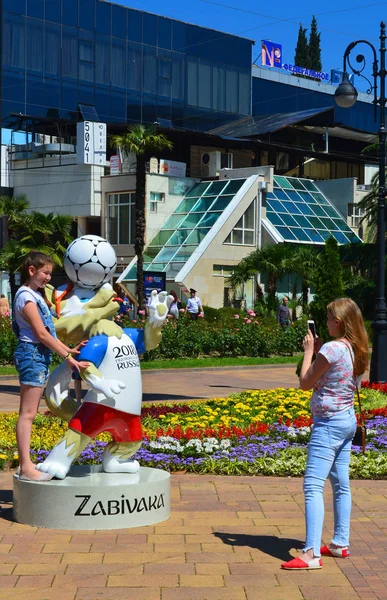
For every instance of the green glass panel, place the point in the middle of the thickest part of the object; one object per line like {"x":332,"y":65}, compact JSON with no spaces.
{"x":233,"y":187}
{"x":161,"y":239}
{"x":302,"y":221}
{"x":298,"y":185}
{"x":191,"y":220}
{"x":319,"y":198}
{"x":215,"y":188}
{"x":301,"y":235}
{"x":289,"y":220}
{"x":184,"y":253}
{"x":132,"y":274}
{"x":316,"y":222}
{"x":318,"y":210}
{"x":203,"y":204}
{"x":150,"y":254}
{"x":331,"y":225}
{"x":340,"y":237}
{"x":331,"y":212}
{"x":166,"y":254}
{"x":173,"y":269}
{"x":178,"y":237}
{"x":173,"y":222}
{"x":156,"y":267}
{"x":196,"y":236}
{"x":283,"y":182}
{"x":309,"y":185}
{"x":209,"y":219}
{"x":326,"y":234}
{"x":286,"y":233}
{"x":222,"y":202}
{"x":197,"y":190}
{"x":186,"y":205}
{"x":274,"y":219}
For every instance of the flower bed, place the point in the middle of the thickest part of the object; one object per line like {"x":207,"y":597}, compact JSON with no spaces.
{"x":262,"y":432}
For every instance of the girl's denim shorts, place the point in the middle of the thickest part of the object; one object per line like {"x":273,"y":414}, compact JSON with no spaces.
{"x":32,"y":362}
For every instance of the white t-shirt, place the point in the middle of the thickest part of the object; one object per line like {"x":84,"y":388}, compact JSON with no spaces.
{"x":193,"y":304}
{"x":26,"y":294}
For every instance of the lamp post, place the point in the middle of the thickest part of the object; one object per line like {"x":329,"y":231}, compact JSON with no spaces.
{"x":345,"y":97}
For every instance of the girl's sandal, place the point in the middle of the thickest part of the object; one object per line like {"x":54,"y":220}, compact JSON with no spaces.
{"x":297,"y":564}
{"x":342,"y":552}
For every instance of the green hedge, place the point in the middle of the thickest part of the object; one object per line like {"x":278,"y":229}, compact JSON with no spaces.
{"x":8,"y":341}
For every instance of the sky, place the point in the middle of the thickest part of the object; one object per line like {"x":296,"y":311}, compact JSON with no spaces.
{"x":279,"y":22}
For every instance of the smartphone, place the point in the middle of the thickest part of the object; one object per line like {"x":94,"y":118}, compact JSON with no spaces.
{"x":312,"y":328}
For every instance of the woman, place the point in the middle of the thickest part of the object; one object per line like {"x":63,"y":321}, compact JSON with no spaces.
{"x":37,"y":340}
{"x":4,"y":306}
{"x":332,"y":377}
{"x":175,"y":305}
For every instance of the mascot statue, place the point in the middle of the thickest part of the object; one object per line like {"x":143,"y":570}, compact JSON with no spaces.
{"x":85,"y":309}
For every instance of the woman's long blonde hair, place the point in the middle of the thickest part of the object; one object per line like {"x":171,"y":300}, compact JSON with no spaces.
{"x":347,"y":312}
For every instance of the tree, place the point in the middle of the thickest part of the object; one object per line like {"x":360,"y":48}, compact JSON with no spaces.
{"x":31,"y":231}
{"x":140,"y":140}
{"x":301,"y":57}
{"x":314,"y":49}
{"x":369,"y":204}
{"x":328,"y":285}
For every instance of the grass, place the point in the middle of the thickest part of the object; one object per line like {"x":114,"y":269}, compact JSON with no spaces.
{"x":197,"y":363}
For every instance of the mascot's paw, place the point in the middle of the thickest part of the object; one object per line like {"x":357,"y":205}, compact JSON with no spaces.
{"x":108,"y":387}
{"x":111,"y":464}
{"x":158,"y":308}
{"x":56,"y":469}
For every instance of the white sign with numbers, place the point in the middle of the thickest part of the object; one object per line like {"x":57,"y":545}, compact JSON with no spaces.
{"x":91,"y":143}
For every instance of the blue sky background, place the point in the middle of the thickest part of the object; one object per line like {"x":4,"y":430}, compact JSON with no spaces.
{"x":338,"y":23}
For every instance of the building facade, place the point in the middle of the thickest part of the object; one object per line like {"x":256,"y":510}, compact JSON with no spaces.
{"x":123,"y":65}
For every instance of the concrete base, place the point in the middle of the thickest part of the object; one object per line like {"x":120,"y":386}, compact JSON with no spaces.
{"x":90,"y":499}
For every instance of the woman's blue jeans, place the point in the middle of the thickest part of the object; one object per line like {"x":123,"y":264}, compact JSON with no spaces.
{"x":328,"y":456}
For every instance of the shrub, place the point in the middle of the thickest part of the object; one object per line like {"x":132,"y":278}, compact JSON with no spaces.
{"x":8,"y":341}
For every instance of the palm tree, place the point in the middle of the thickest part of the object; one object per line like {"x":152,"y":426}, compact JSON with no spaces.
{"x":140,"y":140}
{"x":31,"y":231}
{"x":370,"y":206}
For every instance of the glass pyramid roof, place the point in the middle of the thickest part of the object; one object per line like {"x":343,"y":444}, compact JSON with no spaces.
{"x":188,"y":225}
{"x":301,"y":213}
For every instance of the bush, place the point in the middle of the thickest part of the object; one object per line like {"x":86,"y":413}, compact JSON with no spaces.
{"x":8,"y":341}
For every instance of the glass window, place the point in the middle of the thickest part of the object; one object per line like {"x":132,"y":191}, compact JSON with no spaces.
{"x":102,"y":59}
{"x":197,"y":190}
{"x":161,"y":238}
{"x":276,"y":206}
{"x":69,"y":52}
{"x":289,"y":220}
{"x":35,"y":8}
{"x":52,"y":11}
{"x":118,"y":106}
{"x":135,"y":25}
{"x":118,"y":63}
{"x":282,"y":182}
{"x":191,"y":220}
{"x":178,"y":237}
{"x":178,"y":36}
{"x":205,"y":88}
{"x":177,"y":75}
{"x":192,"y":80}
{"x":86,"y":61}
{"x":103,"y":17}
{"x":87,"y":14}
{"x":281,"y":194}
{"x":51,"y":97}
{"x":150,"y":70}
{"x":119,"y":15}
{"x":218,"y":87}
{"x":286,"y":233}
{"x":203,"y":204}
{"x":234,"y":186}
{"x":274,"y":219}
{"x":309,"y":185}
{"x":301,"y":235}
{"x":52,"y":49}
{"x":164,"y":33}
{"x":121,"y":218}
{"x":173,"y":222}
{"x":34,"y":45}
{"x":186,"y":205}
{"x":13,"y":41}
{"x":34,"y":95}
{"x":149,"y":29}
{"x":184,"y":253}
{"x":222,"y":203}
{"x":215,"y":188}
{"x":232,"y":90}
{"x":244,"y":92}
{"x":69,"y":96}
{"x":134,"y":66}
{"x":244,"y":232}
{"x":154,"y":199}
{"x":70,"y":12}
{"x":196,"y":236}
{"x":15,"y":6}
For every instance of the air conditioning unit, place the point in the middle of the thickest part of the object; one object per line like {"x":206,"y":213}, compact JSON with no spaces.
{"x":210,"y":163}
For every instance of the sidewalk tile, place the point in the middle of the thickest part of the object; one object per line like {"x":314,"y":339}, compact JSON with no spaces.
{"x":154,"y":580}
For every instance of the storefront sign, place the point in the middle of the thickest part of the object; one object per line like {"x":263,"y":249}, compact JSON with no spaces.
{"x":172,"y":168}
{"x":91,"y":143}
{"x":115,"y":165}
{"x":307,"y":72}
{"x":153,"y":281}
{"x":271,"y":54}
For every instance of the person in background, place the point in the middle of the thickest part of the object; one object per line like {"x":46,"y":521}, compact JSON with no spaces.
{"x":4,"y":306}
{"x":284,"y":317}
{"x":37,"y":339}
{"x":175,"y":306}
{"x":333,"y":377}
{"x":194,"y":306}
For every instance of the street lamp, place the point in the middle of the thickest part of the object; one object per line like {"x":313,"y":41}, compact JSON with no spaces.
{"x":345,"y":97}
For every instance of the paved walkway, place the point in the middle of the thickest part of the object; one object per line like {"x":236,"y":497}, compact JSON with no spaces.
{"x":225,"y":540}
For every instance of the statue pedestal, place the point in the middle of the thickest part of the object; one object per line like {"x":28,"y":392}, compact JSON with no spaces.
{"x":91,"y":499}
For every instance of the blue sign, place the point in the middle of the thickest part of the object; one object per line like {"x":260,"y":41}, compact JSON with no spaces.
{"x":271,"y":54}
{"x":307,"y":72}
{"x":153,"y":281}
{"x":337,"y":76}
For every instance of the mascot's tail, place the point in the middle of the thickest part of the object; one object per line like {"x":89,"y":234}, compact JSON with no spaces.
{"x":57,"y":393}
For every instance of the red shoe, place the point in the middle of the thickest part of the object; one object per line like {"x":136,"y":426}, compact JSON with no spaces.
{"x":297,"y":564}
{"x":335,"y":552}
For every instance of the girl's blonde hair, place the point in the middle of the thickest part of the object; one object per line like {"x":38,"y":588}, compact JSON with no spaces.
{"x":351,"y":323}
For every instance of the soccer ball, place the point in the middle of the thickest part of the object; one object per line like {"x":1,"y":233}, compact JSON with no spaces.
{"x":90,"y":261}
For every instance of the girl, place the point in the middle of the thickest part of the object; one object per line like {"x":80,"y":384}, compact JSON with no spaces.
{"x":332,"y":377}
{"x":37,"y":339}
{"x":174,"y":308}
